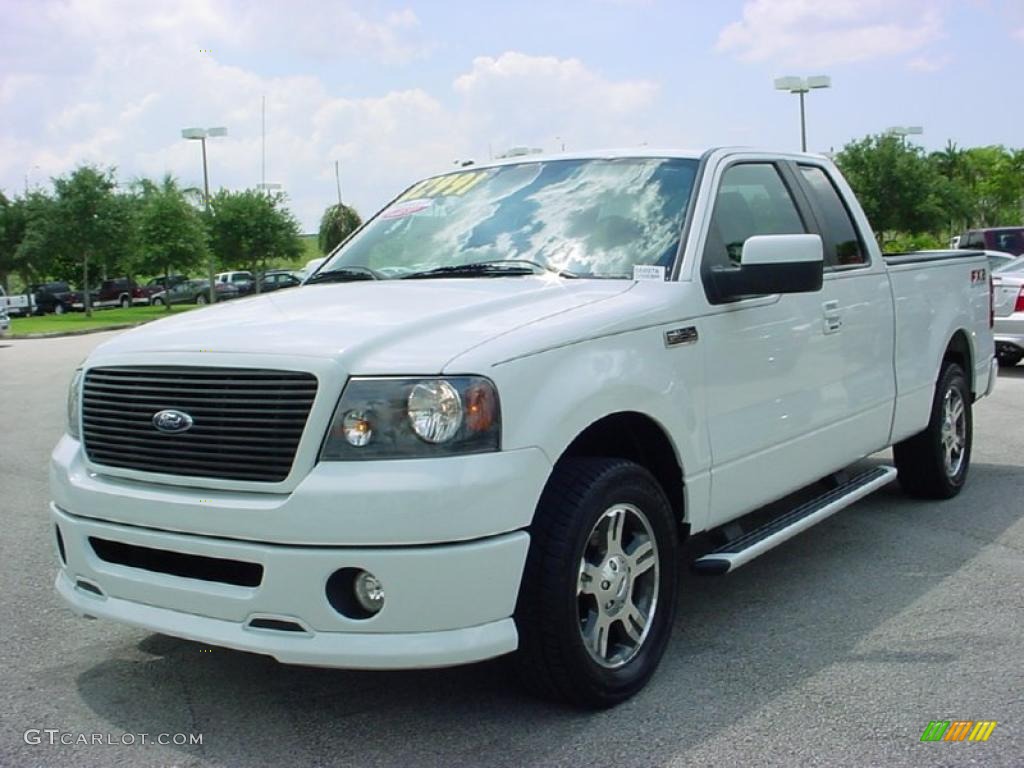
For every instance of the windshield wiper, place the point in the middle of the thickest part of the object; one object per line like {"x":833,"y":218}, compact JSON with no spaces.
{"x":344,"y":275}
{"x":495,"y":268}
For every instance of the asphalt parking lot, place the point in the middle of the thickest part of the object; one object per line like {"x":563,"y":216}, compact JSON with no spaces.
{"x":837,"y":648}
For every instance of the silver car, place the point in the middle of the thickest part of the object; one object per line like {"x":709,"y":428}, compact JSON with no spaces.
{"x":1008,"y":299}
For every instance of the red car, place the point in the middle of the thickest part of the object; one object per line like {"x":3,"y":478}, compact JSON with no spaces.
{"x":120,"y":292}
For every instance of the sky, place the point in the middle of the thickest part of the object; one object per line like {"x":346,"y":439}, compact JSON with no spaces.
{"x":395,"y":91}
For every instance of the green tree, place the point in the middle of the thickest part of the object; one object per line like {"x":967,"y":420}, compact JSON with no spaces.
{"x":96,"y":226}
{"x":172,"y":233}
{"x":338,"y":222}
{"x":986,"y":183}
{"x":899,"y":189}
{"x":12,"y":231}
{"x":248,"y":229}
{"x":28,"y":237}
{"x":996,"y":177}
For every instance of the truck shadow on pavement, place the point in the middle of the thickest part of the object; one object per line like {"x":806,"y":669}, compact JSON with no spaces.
{"x":740,"y":642}
{"x":1014,"y":372}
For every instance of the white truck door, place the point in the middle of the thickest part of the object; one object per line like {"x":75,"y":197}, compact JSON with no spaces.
{"x":858,"y":318}
{"x":776,"y":399}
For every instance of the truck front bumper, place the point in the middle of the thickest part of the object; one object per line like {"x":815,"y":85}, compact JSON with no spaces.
{"x":259,"y":571}
{"x":443,"y":604}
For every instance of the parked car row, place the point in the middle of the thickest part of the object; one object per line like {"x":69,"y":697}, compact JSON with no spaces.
{"x":58,"y":297}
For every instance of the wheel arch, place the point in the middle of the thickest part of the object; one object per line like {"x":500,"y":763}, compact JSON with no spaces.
{"x":640,"y":438}
{"x":958,"y":350}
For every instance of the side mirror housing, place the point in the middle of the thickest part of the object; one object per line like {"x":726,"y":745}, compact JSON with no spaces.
{"x":772,"y":264}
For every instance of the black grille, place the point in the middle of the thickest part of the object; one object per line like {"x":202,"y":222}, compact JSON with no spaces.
{"x":178,"y":563}
{"x":247,"y":422}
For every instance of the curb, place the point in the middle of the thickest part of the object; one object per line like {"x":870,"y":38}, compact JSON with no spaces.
{"x":82,"y":332}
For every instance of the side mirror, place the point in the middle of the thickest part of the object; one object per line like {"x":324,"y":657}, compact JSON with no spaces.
{"x":773,"y":264}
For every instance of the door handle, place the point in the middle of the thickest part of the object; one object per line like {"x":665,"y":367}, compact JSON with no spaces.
{"x":832,"y":318}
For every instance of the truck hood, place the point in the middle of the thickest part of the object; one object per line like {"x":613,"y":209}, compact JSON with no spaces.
{"x":385,"y":327}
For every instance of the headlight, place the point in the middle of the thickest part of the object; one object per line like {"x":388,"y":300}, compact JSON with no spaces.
{"x":383,"y":418}
{"x":74,"y":425}
{"x":435,"y":411}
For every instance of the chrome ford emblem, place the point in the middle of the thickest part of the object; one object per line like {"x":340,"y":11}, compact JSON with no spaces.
{"x":172,"y":421}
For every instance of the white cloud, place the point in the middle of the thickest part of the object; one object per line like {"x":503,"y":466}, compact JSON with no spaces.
{"x":516,"y":98}
{"x":119,"y":94}
{"x":307,"y":27}
{"x":819,"y":33}
{"x":513,"y":73}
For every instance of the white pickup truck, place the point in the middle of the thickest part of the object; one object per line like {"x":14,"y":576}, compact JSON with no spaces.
{"x":485,"y":424}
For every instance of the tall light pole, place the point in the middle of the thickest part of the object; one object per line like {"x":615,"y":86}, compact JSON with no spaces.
{"x":802,"y":85}
{"x":203,"y":134}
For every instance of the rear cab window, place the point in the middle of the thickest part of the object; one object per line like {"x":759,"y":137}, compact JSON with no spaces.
{"x":841,"y":239}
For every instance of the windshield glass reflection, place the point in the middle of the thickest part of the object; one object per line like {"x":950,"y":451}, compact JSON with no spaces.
{"x":590,"y":218}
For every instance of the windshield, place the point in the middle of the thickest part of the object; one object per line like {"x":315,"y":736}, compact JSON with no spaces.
{"x":584,"y":218}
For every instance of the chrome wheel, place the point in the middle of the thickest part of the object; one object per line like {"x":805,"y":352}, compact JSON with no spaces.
{"x":617,"y":589}
{"x":953,"y":433}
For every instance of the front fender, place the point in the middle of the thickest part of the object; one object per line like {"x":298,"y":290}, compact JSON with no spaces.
{"x":549,"y":398}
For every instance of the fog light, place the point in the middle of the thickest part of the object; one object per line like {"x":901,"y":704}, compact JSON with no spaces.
{"x":355,"y":593}
{"x":369,"y":592}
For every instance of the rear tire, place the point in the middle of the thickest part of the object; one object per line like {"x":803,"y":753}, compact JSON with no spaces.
{"x":1008,"y":360}
{"x":598,"y":597}
{"x":58,"y":309}
{"x":201,"y":299}
{"x":125,"y":302}
{"x":158,"y":302}
{"x":933,"y":464}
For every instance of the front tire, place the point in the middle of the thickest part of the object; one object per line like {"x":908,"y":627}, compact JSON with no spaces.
{"x":158,"y":302}
{"x":58,"y":309}
{"x":1009,"y":359}
{"x":933,"y":464}
{"x":201,"y":299}
{"x":597,"y":602}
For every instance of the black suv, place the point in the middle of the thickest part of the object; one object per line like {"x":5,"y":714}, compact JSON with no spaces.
{"x":55,"y":297}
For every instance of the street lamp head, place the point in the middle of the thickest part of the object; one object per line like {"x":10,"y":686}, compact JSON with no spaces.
{"x":791,"y":84}
{"x":203,"y":133}
{"x":802,"y":86}
{"x":905,"y":130}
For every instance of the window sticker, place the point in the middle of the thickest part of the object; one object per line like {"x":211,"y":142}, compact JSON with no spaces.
{"x":648,"y":272}
{"x":443,"y":186}
{"x":407,"y":208}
